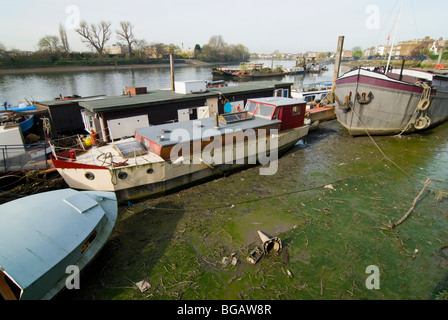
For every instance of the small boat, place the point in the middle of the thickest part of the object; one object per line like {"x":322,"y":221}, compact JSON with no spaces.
{"x":295,"y":70}
{"x":170,"y":156}
{"x":315,"y":68}
{"x":44,"y":235}
{"x":313,"y":92}
{"x":249,"y":71}
{"x":217,"y":84}
{"x":19,"y":108}
{"x":223,"y":72}
{"x":372,"y":101}
{"x":25,"y":121}
{"x":318,"y":108}
{"x":257,"y":70}
{"x":75,"y":96}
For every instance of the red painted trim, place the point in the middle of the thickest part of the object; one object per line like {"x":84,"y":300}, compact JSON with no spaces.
{"x":61,"y":164}
{"x":389,"y":84}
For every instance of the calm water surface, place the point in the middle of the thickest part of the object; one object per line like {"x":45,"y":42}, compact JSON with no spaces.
{"x":42,"y":86}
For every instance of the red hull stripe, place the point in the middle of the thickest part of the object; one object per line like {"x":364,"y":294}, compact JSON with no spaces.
{"x":74,"y":165}
{"x":380,"y":83}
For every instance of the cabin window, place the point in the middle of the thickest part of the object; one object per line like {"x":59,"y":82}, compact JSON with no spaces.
{"x":295,"y":110}
{"x":250,"y":107}
{"x":276,"y":113}
{"x":309,"y":98}
{"x":88,"y":242}
{"x":265,"y":110}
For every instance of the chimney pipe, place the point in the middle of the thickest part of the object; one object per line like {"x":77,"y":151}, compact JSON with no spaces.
{"x":216,"y":121}
{"x":172,"y":72}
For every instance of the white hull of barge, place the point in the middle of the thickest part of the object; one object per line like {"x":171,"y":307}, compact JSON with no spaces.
{"x":149,"y":175}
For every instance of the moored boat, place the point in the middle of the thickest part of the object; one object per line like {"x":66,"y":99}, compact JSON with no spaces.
{"x":249,"y":71}
{"x":170,"y":156}
{"x":46,"y":237}
{"x":318,"y":108}
{"x":371,"y":101}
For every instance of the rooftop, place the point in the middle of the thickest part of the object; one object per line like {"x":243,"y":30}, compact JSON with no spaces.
{"x":154,"y":97}
{"x":169,"y":134}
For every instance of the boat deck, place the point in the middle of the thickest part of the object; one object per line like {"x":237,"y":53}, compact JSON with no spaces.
{"x":105,"y":156}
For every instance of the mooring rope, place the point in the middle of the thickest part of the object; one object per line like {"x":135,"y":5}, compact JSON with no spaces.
{"x":382,"y":152}
{"x":224,"y":206}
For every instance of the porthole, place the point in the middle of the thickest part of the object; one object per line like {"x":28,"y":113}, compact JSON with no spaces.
{"x":150,"y":170}
{"x":89,"y":176}
{"x":122,"y":175}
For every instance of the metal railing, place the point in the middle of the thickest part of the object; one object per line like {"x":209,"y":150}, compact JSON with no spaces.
{"x":24,"y":157}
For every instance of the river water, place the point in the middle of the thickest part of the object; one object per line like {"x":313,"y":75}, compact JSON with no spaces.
{"x":44,"y":85}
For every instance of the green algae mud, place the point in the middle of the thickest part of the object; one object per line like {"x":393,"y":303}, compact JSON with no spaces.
{"x":331,"y":202}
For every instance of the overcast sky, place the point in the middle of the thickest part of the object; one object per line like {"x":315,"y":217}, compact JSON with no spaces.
{"x":263,"y":26}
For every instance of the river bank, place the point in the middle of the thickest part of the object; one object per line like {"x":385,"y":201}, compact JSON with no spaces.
{"x":54,"y":69}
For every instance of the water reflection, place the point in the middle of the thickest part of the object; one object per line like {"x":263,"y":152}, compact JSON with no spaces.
{"x":15,"y":88}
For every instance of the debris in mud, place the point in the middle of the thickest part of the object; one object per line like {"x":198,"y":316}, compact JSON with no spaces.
{"x":270,"y":245}
{"x":143,"y":285}
{"x":255,"y":255}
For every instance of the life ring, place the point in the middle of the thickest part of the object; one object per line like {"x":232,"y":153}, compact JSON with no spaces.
{"x":422,"y":123}
{"x":423,"y":104}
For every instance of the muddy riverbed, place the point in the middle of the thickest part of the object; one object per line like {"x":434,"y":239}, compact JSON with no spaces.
{"x":330,"y":203}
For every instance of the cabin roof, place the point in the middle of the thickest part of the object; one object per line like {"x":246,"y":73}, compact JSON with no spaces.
{"x":39,"y":231}
{"x":174,"y":133}
{"x":156,"y":97}
{"x":278,"y":101}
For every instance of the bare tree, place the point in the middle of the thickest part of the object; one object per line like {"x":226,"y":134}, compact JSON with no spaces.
{"x":127,"y":34}
{"x":49,"y":44}
{"x":63,"y":37}
{"x":159,"y":49}
{"x":142,"y":47}
{"x":94,"y":35}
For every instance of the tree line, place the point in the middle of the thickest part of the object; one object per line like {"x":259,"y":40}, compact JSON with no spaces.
{"x":56,"y":50}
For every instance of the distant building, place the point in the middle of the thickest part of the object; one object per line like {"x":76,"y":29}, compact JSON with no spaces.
{"x":114,"y":49}
{"x":347,"y":54}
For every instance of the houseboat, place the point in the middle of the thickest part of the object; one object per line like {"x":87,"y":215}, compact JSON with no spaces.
{"x":378,"y":101}
{"x":249,"y":71}
{"x":162,"y":158}
{"x":47,"y":238}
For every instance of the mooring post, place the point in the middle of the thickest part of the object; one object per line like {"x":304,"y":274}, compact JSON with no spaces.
{"x":172,"y":72}
{"x":337,"y":65}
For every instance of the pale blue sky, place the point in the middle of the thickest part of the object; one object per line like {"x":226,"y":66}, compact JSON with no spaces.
{"x":261,"y":25}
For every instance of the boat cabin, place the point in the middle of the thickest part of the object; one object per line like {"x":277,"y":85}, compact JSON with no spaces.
{"x":260,"y":114}
{"x":291,"y":112}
